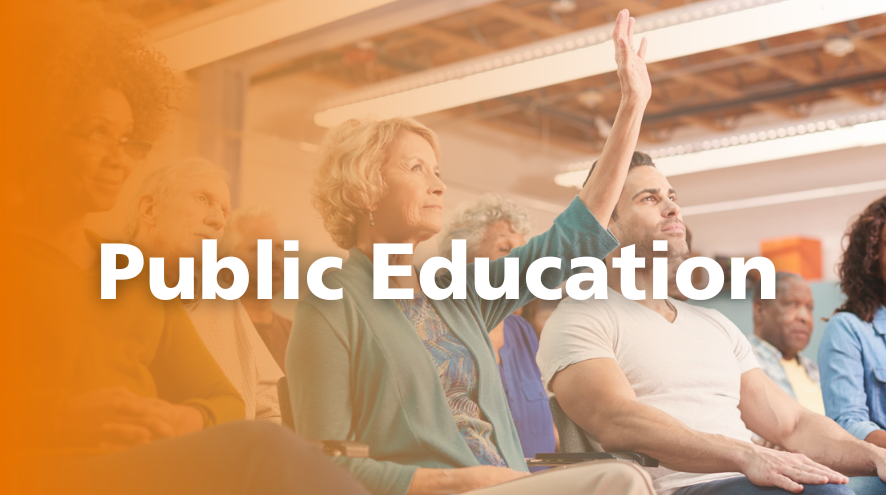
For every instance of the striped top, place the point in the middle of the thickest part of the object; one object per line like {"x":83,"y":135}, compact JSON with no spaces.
{"x":457,"y":370}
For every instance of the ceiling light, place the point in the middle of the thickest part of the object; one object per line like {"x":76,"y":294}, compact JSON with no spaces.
{"x":779,"y":199}
{"x":604,"y":128}
{"x":672,"y":33}
{"x":309,"y":147}
{"x":839,"y":46}
{"x":590,"y":98}
{"x":229,"y":28}
{"x":823,"y":135}
{"x":562,"y":6}
{"x":365,"y":45}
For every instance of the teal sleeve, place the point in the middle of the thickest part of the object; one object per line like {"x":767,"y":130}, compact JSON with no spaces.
{"x":318,"y":372}
{"x":574,"y":234}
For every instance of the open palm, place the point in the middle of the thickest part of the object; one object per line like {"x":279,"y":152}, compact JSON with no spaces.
{"x":632,"y":74}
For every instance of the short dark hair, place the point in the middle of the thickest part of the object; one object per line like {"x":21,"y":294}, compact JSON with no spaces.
{"x":779,"y":277}
{"x":638,"y":159}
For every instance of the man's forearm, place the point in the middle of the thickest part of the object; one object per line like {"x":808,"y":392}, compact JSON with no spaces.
{"x":877,"y":437}
{"x":602,"y":192}
{"x":636,"y":427}
{"x":824,"y":441}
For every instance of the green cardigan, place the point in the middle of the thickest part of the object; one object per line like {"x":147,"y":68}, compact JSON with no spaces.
{"x":358,"y":371}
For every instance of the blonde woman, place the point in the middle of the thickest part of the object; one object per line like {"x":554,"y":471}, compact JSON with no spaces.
{"x":415,"y":378}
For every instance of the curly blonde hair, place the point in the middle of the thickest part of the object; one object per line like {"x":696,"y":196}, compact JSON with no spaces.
{"x":348,"y":177}
{"x":64,"y":52}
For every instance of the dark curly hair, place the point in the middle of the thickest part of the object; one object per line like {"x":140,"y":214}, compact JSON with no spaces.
{"x":58,"y":55}
{"x":861,"y":278}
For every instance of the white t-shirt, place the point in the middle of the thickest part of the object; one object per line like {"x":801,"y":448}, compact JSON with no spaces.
{"x":690,"y":369}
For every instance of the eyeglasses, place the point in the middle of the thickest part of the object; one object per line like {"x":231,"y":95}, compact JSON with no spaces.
{"x":137,"y":150}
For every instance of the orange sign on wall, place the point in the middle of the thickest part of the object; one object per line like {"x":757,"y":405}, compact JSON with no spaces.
{"x":794,"y":254}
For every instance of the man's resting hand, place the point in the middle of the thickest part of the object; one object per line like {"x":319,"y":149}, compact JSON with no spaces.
{"x":767,"y":467}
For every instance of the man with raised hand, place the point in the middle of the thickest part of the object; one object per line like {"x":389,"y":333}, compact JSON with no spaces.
{"x":680,"y":383}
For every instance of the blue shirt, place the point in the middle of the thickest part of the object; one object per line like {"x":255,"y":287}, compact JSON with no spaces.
{"x":852,"y":363}
{"x":524,"y":389}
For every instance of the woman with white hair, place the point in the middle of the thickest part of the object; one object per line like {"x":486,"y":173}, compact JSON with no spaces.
{"x":492,"y":227}
{"x":414,"y":378}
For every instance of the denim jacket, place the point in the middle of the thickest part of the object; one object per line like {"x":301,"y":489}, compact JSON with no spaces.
{"x":852,"y":362}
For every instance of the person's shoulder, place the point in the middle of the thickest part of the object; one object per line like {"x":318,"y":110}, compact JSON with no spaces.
{"x":844,"y":318}
{"x":309,"y":303}
{"x":709,"y":314}
{"x":95,"y":238}
{"x":844,"y":330}
{"x":226,"y":308}
{"x":844,"y":322}
{"x":521,"y":332}
{"x":585,"y":307}
{"x":517,"y":323}
{"x":588,"y":313}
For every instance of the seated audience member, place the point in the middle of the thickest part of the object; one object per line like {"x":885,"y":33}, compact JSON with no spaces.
{"x":245,"y":227}
{"x":177,"y":207}
{"x":782,"y":328}
{"x":673,"y":290}
{"x":852,"y":353}
{"x":107,"y":396}
{"x":679,"y":382}
{"x":492,"y":227}
{"x":413,"y":377}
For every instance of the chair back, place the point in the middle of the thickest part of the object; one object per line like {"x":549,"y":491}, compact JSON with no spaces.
{"x":572,"y":437}
{"x":285,"y":403}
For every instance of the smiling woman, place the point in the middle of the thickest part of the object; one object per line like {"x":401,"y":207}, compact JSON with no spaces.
{"x":106,"y":380}
{"x":118,"y":97}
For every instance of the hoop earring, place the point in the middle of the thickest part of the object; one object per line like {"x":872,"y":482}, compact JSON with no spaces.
{"x":371,"y":223}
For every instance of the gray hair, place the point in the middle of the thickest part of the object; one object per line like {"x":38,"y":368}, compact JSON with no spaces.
{"x":779,"y":278}
{"x":240,"y":218}
{"x":161,"y":183}
{"x":472,"y":219}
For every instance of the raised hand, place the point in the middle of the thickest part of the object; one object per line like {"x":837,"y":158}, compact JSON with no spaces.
{"x":632,"y":75}
{"x":767,"y":467}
